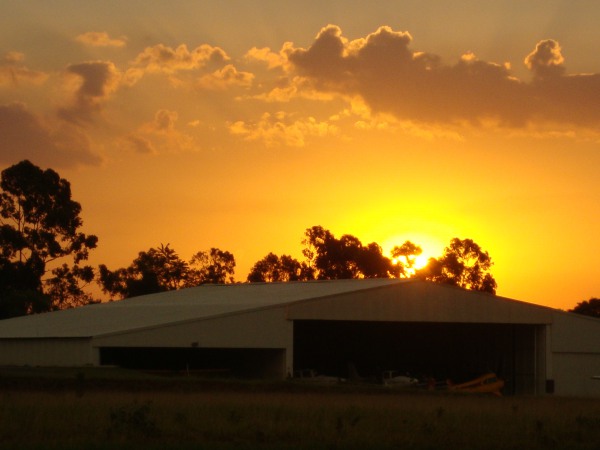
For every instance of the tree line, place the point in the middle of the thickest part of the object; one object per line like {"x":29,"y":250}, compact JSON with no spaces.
{"x":43,"y":255}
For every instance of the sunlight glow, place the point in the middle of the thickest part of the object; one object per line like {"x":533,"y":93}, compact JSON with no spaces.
{"x":421,"y":261}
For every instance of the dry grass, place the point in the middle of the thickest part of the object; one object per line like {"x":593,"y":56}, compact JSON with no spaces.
{"x":325,"y":419}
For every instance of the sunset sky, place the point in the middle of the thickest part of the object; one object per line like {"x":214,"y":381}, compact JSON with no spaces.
{"x":238,"y":124}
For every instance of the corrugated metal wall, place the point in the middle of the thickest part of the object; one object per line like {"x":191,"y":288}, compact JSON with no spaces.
{"x":47,"y":352}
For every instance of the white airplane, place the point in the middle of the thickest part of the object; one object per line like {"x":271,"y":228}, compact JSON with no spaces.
{"x":390,"y":378}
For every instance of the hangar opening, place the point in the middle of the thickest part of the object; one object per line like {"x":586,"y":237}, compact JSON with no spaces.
{"x":455,"y":351}
{"x":222,"y":362}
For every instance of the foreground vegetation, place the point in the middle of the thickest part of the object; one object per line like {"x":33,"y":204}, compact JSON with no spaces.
{"x":89,"y":415}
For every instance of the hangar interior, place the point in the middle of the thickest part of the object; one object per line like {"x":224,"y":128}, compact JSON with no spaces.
{"x":361,"y":351}
{"x":454,"y":351}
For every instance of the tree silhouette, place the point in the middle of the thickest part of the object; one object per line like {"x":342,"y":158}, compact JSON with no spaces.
{"x":156,"y":270}
{"x":215,"y":266}
{"x":279,"y":268}
{"x":589,"y":307}
{"x":333,"y":259}
{"x":39,"y":226}
{"x":405,"y":256}
{"x":161,"y":269}
{"x":463,"y":264}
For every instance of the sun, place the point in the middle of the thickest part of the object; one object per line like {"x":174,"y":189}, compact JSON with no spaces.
{"x":431,"y":248}
{"x":421,"y":261}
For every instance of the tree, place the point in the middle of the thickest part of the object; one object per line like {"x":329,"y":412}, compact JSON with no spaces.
{"x":279,"y":268}
{"x":161,"y":269}
{"x":39,"y":226}
{"x":156,"y":270}
{"x":589,"y":307}
{"x":332,"y":258}
{"x":463,"y":264}
{"x":405,"y":255}
{"x":215,"y":266}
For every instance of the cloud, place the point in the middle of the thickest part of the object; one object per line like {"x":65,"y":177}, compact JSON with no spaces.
{"x":100,"y":39}
{"x":13,"y":73}
{"x":267,"y":56}
{"x":138,"y":144}
{"x":159,"y":135}
{"x":546,"y":60}
{"x":281,"y":129}
{"x":163,"y":59}
{"x":45,"y":142}
{"x":93,"y":83}
{"x":224,"y":78}
{"x":392,"y":78}
{"x":288,"y":89}
{"x":164,"y":121}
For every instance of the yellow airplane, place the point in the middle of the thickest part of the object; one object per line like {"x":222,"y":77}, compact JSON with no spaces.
{"x":485,"y":384}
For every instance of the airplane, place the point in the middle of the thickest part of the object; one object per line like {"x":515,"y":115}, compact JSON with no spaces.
{"x":595,"y":377}
{"x":485,"y":384}
{"x":312,"y":376}
{"x":390,"y":378}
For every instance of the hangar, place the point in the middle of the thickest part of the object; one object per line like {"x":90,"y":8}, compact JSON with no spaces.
{"x":269,"y":330}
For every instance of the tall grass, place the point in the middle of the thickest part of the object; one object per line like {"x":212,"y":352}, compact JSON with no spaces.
{"x":280,"y":420}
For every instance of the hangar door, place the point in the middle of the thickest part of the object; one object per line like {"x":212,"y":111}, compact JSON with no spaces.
{"x":455,"y":351}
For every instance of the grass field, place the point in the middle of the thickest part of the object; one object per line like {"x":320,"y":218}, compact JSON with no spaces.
{"x":78,"y":411}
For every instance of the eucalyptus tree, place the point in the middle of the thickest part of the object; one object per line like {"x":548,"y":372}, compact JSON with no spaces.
{"x":42,"y":247}
{"x":274,"y":268}
{"x":463,"y":264}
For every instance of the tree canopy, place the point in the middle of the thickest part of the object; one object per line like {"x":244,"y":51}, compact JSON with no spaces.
{"x":463,"y":264}
{"x":215,"y":267}
{"x":161,"y":269}
{"x":39,"y":227}
{"x":331,"y":258}
{"x":279,"y":268}
{"x":589,"y":307}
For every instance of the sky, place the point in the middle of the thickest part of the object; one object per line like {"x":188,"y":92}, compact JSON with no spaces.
{"x":239,"y":124}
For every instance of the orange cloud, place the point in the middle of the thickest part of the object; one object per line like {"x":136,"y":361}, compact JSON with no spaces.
{"x":100,"y":39}
{"x":158,"y":135}
{"x":267,"y":56}
{"x":138,"y":144}
{"x":391,"y":78}
{"x":224,"y":78}
{"x":161,"y":58}
{"x":13,"y":73}
{"x":45,"y":142}
{"x":282,"y":129}
{"x":546,"y":60}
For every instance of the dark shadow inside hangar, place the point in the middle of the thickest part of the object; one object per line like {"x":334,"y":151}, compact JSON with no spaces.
{"x":456,"y":351}
{"x":215,"y":362}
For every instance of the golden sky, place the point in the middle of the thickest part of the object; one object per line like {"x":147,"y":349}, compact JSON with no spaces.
{"x":238,"y":124}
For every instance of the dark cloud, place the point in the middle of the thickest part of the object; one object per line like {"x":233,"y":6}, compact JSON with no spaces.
{"x":97,"y":80}
{"x":26,"y":136}
{"x":392,"y":78}
{"x":161,"y":58}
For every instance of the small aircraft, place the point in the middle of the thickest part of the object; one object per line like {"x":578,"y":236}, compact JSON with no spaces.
{"x":311,"y":375}
{"x":391,"y":378}
{"x":485,"y":384}
{"x":595,"y":377}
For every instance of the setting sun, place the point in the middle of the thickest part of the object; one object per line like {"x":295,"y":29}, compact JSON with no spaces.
{"x":421,"y":261}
